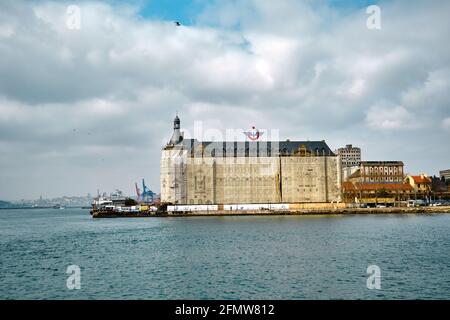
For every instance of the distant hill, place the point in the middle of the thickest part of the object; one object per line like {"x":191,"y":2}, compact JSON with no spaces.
{"x":5,"y":204}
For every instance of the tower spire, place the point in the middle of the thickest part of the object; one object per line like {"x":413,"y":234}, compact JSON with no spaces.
{"x":176,"y":135}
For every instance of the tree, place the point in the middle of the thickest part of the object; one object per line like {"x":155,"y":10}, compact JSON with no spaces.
{"x":382,"y":193}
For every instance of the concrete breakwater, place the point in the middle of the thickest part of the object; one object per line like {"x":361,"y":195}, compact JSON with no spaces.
{"x":339,"y":211}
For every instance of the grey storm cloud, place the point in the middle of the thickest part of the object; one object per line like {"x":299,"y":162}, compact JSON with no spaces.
{"x":91,"y":108}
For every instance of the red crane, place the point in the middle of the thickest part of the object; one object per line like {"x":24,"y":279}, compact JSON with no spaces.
{"x":138,"y":191}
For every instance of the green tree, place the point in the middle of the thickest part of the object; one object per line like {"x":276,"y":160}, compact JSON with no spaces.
{"x":382,"y":193}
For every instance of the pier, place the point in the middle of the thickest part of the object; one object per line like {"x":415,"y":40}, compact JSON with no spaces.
{"x":338,"y":211}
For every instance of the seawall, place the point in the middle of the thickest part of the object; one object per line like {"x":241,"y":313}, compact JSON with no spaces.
{"x":341,"y":211}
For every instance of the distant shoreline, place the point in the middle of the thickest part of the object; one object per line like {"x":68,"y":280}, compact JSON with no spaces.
{"x":222,"y":213}
{"x":74,"y":207}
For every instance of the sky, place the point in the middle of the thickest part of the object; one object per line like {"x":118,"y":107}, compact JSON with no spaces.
{"x":90,"y":108}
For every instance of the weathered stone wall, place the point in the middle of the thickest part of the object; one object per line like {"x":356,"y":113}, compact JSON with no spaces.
{"x":247,"y":180}
{"x":200,"y":181}
{"x":173,"y":175}
{"x":208,"y":180}
{"x":310,"y":179}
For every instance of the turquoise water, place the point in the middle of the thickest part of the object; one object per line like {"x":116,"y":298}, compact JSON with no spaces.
{"x":314,"y":257}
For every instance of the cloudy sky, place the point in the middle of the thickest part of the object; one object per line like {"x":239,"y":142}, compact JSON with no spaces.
{"x":90,"y":108}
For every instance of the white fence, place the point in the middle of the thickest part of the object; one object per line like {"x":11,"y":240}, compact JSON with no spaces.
{"x":262,"y":206}
{"x":229,"y":207}
{"x":199,"y":207}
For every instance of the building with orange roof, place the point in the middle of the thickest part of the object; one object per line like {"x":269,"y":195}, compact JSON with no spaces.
{"x":421,"y":185}
{"x":376,"y":193}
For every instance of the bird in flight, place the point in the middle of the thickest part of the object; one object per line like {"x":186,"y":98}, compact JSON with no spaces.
{"x":177,"y":23}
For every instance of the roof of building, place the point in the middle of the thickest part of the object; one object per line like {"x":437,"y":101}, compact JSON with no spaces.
{"x":348,"y":186}
{"x":358,"y":186}
{"x":254,"y":148}
{"x":380,"y":186}
{"x":349,"y":147}
{"x":382,"y":163}
{"x":421,"y":179}
{"x":355,"y":174}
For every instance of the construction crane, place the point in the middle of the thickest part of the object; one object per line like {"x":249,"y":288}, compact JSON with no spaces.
{"x":138,"y":191}
{"x":145,"y":194}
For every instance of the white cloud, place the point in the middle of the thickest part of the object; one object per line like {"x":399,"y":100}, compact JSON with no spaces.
{"x":390,"y":118}
{"x":446,"y":124}
{"x":302,"y":67}
{"x":6,"y":31}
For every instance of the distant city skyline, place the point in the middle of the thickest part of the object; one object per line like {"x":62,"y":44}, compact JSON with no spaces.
{"x":89,"y":107}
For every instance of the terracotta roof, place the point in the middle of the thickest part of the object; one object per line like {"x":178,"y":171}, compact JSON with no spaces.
{"x":382,"y":163}
{"x":386,"y":186}
{"x":348,"y":186}
{"x":421,"y":179}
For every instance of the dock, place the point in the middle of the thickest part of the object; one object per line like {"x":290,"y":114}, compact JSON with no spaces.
{"x":339,"y":211}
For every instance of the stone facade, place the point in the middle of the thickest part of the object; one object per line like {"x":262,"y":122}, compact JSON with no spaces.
{"x":194,"y":172}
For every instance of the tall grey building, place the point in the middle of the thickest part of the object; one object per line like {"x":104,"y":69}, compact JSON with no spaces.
{"x":350,"y":156}
{"x":445,"y":174}
{"x":350,"y":159}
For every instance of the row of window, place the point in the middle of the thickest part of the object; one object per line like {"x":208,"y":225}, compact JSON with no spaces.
{"x":256,"y":152}
{"x":391,"y":179}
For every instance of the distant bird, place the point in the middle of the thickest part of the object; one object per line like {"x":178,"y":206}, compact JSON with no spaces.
{"x":177,"y":23}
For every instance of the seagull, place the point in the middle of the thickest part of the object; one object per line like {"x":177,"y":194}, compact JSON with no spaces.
{"x":177,"y":23}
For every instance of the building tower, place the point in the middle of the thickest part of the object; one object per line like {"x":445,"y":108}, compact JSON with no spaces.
{"x":350,"y":156}
{"x":177,"y":136}
{"x":173,"y":167}
{"x":350,"y":159}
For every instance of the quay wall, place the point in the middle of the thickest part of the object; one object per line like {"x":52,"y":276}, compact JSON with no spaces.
{"x":310,"y":211}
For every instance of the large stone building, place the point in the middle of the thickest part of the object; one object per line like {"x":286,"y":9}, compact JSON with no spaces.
{"x":200,"y":172}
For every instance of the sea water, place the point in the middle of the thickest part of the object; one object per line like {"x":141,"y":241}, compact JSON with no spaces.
{"x":240,"y":257}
